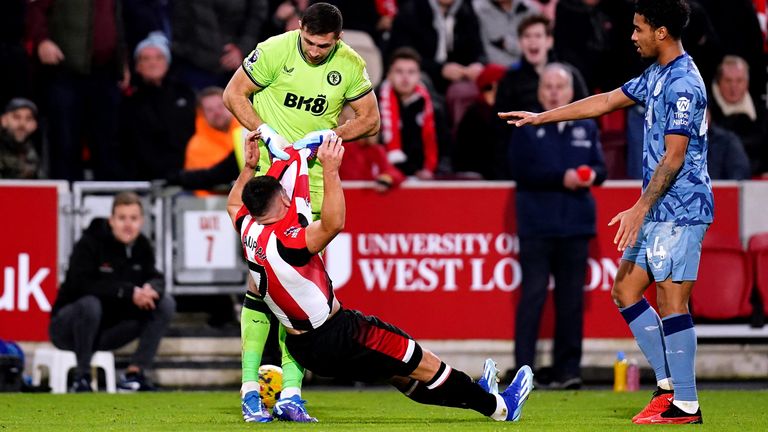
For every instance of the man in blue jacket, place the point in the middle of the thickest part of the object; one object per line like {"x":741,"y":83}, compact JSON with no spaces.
{"x":554,"y":166}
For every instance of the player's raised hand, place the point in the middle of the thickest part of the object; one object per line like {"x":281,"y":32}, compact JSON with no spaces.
{"x":254,"y":135}
{"x":331,"y":152}
{"x":252,"y":151}
{"x":630,"y":221}
{"x":519,"y":118}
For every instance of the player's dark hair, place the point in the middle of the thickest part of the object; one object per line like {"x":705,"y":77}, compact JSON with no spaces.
{"x":126,"y":198}
{"x":404,"y":53}
{"x":322,"y":18}
{"x":672,"y":14}
{"x":258,"y":194}
{"x":532,"y":20}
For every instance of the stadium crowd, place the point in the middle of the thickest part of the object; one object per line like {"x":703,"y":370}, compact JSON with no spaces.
{"x":130,"y":89}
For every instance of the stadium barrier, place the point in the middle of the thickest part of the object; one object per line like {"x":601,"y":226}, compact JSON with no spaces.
{"x":437,"y":258}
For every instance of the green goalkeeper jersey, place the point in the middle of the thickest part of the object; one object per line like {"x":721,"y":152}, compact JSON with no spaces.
{"x":298,"y":97}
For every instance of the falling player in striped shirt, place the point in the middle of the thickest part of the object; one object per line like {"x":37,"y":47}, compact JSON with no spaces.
{"x":291,"y":86}
{"x":272,"y":213}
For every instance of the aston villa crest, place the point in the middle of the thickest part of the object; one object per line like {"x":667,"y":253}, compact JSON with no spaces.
{"x":334,"y":78}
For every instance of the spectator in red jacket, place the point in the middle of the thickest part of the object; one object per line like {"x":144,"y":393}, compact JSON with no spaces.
{"x":408,"y":117}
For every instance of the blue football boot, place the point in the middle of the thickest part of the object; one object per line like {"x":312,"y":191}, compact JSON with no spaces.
{"x":253,"y":410}
{"x":292,"y":409}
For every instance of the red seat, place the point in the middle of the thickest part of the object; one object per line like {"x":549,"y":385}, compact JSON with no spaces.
{"x":758,"y":252}
{"x":721,"y":241}
{"x":724,"y":284}
{"x":613,"y":136}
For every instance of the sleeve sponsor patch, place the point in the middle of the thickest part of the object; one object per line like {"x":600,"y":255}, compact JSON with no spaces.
{"x":251,"y":59}
{"x":682,"y":115}
{"x":292,"y":232}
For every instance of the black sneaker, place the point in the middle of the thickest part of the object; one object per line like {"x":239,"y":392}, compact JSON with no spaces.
{"x":573,"y":383}
{"x":81,"y":384}
{"x":542,"y":378}
{"x":135,"y":381}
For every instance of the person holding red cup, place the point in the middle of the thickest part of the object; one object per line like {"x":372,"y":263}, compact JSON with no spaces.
{"x":555,"y":166}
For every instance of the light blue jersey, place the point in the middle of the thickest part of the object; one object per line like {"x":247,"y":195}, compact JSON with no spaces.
{"x":676,"y":101}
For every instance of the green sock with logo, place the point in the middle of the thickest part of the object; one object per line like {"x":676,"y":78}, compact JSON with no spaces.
{"x":293,"y":373}
{"x":254,"y":329}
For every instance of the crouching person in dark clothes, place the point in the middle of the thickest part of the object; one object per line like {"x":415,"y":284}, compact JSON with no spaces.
{"x":273,"y":213}
{"x":113,"y":294}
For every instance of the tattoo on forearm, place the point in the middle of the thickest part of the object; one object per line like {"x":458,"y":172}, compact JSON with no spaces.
{"x":663,"y":176}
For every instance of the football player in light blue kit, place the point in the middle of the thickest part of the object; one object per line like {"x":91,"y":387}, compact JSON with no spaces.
{"x":661,"y":234}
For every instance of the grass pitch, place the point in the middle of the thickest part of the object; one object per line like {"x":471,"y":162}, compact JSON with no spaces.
{"x":364,"y":410}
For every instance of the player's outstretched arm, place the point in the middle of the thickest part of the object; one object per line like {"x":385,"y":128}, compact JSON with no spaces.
{"x":235,"y":198}
{"x":320,"y":233}
{"x":366,"y":121}
{"x":237,"y":99}
{"x":593,"y":106}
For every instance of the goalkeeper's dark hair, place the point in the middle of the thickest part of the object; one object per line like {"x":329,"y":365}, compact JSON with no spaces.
{"x":322,"y":18}
{"x":258,"y":194}
{"x":672,"y":14}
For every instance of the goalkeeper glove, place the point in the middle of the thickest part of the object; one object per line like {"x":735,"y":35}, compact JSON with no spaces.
{"x":313,"y":140}
{"x":274,"y":141}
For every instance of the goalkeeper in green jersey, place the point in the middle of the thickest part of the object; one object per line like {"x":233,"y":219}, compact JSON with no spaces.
{"x":291,"y":86}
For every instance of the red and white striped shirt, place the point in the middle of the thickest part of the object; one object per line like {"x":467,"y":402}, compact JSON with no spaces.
{"x":292,"y":281}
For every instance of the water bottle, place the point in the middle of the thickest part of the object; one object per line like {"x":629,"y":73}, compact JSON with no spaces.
{"x":620,"y":373}
{"x":633,"y":376}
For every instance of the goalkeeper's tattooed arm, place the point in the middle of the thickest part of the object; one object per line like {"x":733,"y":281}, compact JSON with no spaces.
{"x":366,"y":121}
{"x":237,"y":99}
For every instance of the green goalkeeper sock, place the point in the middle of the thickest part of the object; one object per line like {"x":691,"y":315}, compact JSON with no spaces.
{"x":254,"y":329}
{"x":293,"y":373}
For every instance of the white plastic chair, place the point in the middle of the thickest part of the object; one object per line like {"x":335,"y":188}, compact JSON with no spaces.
{"x":59,"y":363}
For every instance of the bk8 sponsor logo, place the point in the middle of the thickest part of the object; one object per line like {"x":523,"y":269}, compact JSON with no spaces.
{"x":315,"y":105}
